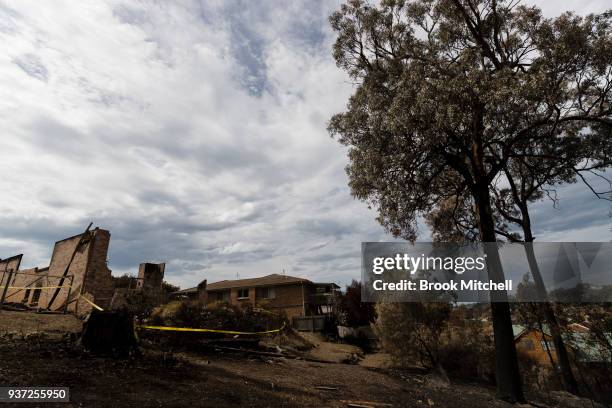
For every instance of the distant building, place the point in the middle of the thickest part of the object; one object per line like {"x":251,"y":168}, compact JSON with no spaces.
{"x":291,"y":295}
{"x":534,"y":343}
{"x":148,"y":283}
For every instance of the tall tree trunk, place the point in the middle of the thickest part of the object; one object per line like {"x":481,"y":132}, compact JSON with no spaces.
{"x":507,"y":373}
{"x":569,"y":381}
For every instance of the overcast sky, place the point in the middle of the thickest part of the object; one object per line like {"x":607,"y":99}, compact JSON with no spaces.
{"x":196,"y":133}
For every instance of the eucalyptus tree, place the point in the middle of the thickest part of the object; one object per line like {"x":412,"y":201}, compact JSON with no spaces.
{"x":530,"y":177}
{"x":447,"y":92}
{"x":522,"y":182}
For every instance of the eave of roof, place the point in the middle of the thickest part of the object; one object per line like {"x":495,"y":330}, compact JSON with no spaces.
{"x":328,"y":283}
{"x":188,"y":290}
{"x":269,"y":280}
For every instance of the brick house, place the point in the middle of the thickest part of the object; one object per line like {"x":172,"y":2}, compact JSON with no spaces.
{"x":534,"y":343}
{"x":537,"y":344}
{"x":291,"y":295}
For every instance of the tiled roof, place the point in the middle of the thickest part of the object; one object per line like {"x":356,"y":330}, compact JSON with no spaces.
{"x":268,"y":280}
{"x":188,"y":290}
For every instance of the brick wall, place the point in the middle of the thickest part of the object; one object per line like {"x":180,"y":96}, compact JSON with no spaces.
{"x":8,"y":265}
{"x":60,"y":258}
{"x":530,"y":344}
{"x":288,"y":299}
{"x":202,"y":292}
{"x":28,"y":278}
{"x":151,"y":276}
{"x":98,"y":278}
{"x":91,"y":276}
{"x":88,"y":276}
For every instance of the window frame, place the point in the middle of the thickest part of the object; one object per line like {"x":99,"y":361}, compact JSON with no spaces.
{"x":551,"y":345}
{"x":269,"y":290}
{"x":243,"y":291}
{"x":222,"y":296}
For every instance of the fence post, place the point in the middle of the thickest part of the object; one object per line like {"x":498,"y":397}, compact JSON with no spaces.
{"x":8,"y":281}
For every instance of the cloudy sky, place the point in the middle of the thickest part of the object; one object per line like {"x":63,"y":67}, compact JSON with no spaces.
{"x":195,"y":132}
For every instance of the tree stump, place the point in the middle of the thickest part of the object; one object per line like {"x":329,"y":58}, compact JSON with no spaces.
{"x":110,"y":333}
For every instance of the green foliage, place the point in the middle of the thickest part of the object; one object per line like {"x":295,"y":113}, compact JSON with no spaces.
{"x":450,"y":93}
{"x":451,"y":96}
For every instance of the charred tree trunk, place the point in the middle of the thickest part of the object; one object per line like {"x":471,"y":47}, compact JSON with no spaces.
{"x":569,"y":381}
{"x":521,"y":199}
{"x":508,"y":378}
{"x":110,"y":333}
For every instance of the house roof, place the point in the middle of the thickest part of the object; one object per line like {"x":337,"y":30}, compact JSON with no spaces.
{"x":518,"y":330}
{"x":268,"y":280}
{"x":577,"y":327}
{"x":332,"y":284}
{"x":188,"y":290}
{"x":588,"y":350}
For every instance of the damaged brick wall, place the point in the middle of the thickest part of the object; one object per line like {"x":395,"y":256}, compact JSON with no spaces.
{"x":7,"y":268}
{"x":35,"y":280}
{"x":151,"y":276}
{"x":91,"y":277}
{"x":9,"y":265}
{"x":148,"y":285}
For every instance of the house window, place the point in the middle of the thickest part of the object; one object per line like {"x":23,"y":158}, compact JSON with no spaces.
{"x":26,"y":296}
{"x":265,"y":293}
{"x":35,"y":297}
{"x":551,"y":346}
{"x":528,"y":344}
{"x":222,"y":296}
{"x":243,"y":293}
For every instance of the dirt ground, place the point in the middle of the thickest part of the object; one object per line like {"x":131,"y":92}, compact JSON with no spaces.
{"x":331,"y":352}
{"x":24,"y":323}
{"x":215,"y":379}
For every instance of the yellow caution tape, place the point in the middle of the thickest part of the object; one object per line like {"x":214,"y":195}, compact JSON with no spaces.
{"x":187,"y":329}
{"x":38,"y":287}
{"x":92,"y":303}
{"x":136,"y":332}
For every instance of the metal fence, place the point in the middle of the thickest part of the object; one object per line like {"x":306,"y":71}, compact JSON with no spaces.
{"x":309,"y":323}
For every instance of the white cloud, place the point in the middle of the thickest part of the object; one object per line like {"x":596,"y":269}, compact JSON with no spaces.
{"x":194,"y":131}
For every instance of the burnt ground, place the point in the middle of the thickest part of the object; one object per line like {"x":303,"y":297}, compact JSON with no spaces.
{"x":216,"y":379}
{"x":168,"y":380}
{"x":25,"y":322}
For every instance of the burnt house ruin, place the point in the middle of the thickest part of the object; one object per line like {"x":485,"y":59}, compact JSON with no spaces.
{"x":77,"y":278}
